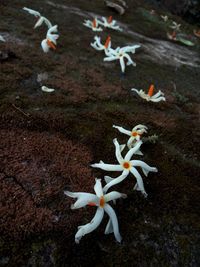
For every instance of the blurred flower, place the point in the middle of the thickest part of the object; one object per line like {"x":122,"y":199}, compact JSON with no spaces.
{"x":40,"y":18}
{"x":175,"y":26}
{"x":165,"y":18}
{"x":50,"y":41}
{"x":93,"y":25}
{"x":99,"y":46}
{"x":121,"y":54}
{"x":135,"y":135}
{"x":110,"y":23}
{"x":2,"y":39}
{"x":149,"y":96}
{"x":196,"y":33}
{"x":126,"y":165}
{"x":99,"y":200}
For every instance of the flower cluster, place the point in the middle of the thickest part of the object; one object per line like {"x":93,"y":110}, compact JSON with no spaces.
{"x":119,"y":53}
{"x":50,"y":41}
{"x":126,"y":165}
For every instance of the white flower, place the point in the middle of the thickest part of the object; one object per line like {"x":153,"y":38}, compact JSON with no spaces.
{"x":126,"y":165}
{"x":175,"y":26}
{"x":50,"y":41}
{"x":93,"y":25}
{"x":135,"y":135}
{"x":165,"y":18}
{"x":98,"y":200}
{"x":110,"y":23}
{"x":121,"y":54}
{"x":2,"y":39}
{"x":149,"y":96}
{"x":40,"y":18}
{"x":99,"y":46}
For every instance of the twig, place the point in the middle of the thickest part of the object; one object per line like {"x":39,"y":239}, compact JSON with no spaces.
{"x":21,"y":111}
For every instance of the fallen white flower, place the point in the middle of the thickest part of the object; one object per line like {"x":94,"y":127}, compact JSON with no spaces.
{"x":40,"y":18}
{"x":126,"y":165}
{"x":135,"y":135}
{"x":110,"y":23}
{"x":99,"y":46}
{"x":2,"y":39}
{"x":50,"y":41}
{"x":149,"y":96}
{"x":93,"y":25}
{"x":165,"y":18}
{"x":121,"y":54}
{"x":175,"y":26}
{"x":47,"y":89}
{"x":99,"y":200}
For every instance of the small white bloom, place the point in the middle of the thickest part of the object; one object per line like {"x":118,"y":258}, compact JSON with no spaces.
{"x":135,"y":135}
{"x":2,"y":39}
{"x":50,"y":41}
{"x":40,"y":18}
{"x":93,"y":25}
{"x":165,"y":18}
{"x":99,"y":200}
{"x":149,"y":96}
{"x":121,"y":54}
{"x":175,"y":26}
{"x":47,"y":89}
{"x":110,"y":23}
{"x":99,"y":46}
{"x":126,"y":166}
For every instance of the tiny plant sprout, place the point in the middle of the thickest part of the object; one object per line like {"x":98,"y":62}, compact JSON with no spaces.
{"x":93,"y":25}
{"x":99,"y":200}
{"x":109,"y":23}
{"x":99,"y":46}
{"x":40,"y":18}
{"x":149,"y":96}
{"x":50,"y":41}
{"x":135,"y":135}
{"x":175,"y":26}
{"x":126,"y":165}
{"x":122,"y":55}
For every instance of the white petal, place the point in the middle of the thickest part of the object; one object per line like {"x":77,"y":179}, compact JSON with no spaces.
{"x":158,"y":99}
{"x":118,"y":151}
{"x":130,"y":142}
{"x":108,"y":179}
{"x":109,"y":228}
{"x":39,"y":22}
{"x":83,"y":199}
{"x":145,"y":167}
{"x":108,"y":167}
{"x":111,"y":213}
{"x":44,"y":45}
{"x":122,"y":130}
{"x":140,"y":184}
{"x":47,"y":89}
{"x":159,"y":93}
{"x":122,"y":147}
{"x":140,"y":127}
{"x":98,"y":188}
{"x":32,"y":12}
{"x":132,"y":151}
{"x":88,"y":228}
{"x":110,"y":58}
{"x":48,"y":23}
{"x":130,"y":61}
{"x":113,"y":196}
{"x":116,"y":180}
{"x":121,"y":60}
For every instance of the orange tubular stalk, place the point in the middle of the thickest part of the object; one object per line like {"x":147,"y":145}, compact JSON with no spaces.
{"x":151,"y":89}
{"x":107,"y":42}
{"x":94,"y":23}
{"x":51,"y":45}
{"x":109,"y":20}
